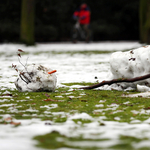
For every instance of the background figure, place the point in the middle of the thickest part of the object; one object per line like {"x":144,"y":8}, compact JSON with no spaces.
{"x":82,"y":27}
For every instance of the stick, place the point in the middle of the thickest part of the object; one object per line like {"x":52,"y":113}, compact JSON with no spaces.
{"x":117,"y":81}
{"x":26,"y":79}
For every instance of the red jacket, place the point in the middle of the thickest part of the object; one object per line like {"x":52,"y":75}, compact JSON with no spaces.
{"x":83,"y":15}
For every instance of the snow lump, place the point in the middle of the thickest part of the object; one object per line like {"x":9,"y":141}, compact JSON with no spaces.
{"x":130,"y":64}
{"x":35,"y":78}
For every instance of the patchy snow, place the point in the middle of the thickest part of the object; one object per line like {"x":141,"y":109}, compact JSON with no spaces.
{"x":143,"y":94}
{"x":77,"y":67}
{"x":70,"y":68}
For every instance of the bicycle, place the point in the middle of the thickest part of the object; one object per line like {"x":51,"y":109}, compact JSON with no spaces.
{"x":80,"y":34}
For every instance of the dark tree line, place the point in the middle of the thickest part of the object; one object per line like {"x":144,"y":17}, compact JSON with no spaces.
{"x":110,"y":20}
{"x":145,"y":21}
{"x":27,"y":22}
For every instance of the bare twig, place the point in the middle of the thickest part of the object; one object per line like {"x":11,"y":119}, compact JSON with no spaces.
{"x":26,"y":61}
{"x":25,"y":77}
{"x":117,"y":81}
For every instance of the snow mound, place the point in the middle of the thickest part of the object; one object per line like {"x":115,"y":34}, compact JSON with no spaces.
{"x":35,"y":78}
{"x":131,"y":64}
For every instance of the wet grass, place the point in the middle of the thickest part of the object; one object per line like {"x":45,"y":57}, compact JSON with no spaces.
{"x":70,"y":52}
{"x":64,"y":141}
{"x":67,"y":101}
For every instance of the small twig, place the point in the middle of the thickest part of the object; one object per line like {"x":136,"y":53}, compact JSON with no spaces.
{"x":21,"y":63}
{"x":26,"y":61}
{"x":25,"y":66}
{"x":117,"y":81}
{"x":23,"y":79}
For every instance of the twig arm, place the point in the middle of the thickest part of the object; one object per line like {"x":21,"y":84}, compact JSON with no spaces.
{"x":117,"y":81}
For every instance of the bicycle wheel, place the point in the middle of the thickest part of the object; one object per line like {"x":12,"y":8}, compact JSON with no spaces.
{"x":75,"y":35}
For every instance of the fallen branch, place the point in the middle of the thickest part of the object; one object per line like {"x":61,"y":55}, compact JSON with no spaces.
{"x":117,"y":81}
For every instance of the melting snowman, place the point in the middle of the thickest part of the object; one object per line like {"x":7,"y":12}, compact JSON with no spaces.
{"x":131,"y":64}
{"x":36,"y":78}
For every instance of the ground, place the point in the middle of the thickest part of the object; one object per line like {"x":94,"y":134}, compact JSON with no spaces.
{"x":70,"y":118}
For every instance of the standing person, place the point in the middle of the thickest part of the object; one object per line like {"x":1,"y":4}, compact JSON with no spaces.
{"x":83,"y":15}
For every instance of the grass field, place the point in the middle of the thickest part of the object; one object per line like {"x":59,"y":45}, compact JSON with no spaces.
{"x":81,"y":119}
{"x":70,"y":118}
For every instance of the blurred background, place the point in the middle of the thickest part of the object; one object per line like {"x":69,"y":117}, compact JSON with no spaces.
{"x":53,"y":19}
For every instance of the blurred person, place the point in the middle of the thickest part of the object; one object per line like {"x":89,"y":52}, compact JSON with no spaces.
{"x":82,"y":15}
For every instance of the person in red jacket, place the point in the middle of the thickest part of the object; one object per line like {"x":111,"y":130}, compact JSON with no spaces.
{"x":83,"y":15}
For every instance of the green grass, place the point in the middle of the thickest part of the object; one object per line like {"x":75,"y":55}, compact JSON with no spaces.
{"x":61,"y":139}
{"x":69,"y":102}
{"x":74,"y":52}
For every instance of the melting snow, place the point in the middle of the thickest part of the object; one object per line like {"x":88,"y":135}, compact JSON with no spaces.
{"x":74,"y":68}
{"x":131,"y":64}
